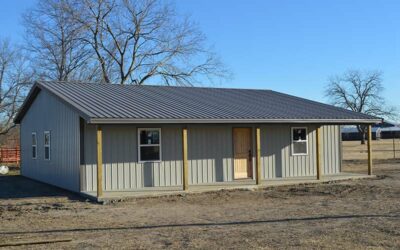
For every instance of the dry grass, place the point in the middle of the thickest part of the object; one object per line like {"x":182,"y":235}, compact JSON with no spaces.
{"x":362,"y":214}
{"x":382,"y":150}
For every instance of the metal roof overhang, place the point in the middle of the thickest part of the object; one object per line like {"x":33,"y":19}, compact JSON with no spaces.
{"x":231,"y":121}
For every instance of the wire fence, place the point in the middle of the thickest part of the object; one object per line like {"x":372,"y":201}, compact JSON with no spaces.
{"x":381,"y":149}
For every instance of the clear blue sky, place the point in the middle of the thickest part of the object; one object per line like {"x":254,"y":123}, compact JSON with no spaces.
{"x":288,"y":46}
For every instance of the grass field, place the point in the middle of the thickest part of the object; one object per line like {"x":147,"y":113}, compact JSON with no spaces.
{"x":382,"y":150}
{"x":360,"y":214}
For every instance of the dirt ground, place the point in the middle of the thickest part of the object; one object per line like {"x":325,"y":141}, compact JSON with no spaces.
{"x":346,"y":215}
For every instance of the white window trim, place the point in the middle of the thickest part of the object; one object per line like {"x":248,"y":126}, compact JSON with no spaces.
{"x":306,"y":141}
{"x":44,"y":145}
{"x":34,"y":145}
{"x":148,"y":145}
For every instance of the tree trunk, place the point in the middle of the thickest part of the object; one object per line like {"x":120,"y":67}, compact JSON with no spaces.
{"x":363,"y":139}
{"x":362,"y":129}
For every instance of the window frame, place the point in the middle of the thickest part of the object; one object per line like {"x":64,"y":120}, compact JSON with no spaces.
{"x":293,"y":141}
{"x":139,"y":145}
{"x":34,"y":145}
{"x":44,"y":145}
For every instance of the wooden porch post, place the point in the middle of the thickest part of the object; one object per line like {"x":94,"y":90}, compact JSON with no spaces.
{"x":99,"y":140}
{"x":185,"y":173}
{"x":258,"y":156}
{"x":319,"y":164}
{"x":369,"y":150}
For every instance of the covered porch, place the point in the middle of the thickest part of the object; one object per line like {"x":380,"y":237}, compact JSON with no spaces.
{"x":250,"y":184}
{"x":235,"y":185}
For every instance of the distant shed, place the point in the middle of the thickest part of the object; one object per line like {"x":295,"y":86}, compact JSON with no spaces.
{"x":352,"y":133}
{"x":390,"y":132}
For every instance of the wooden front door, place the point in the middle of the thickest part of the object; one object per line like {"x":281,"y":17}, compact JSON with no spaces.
{"x":242,"y":153}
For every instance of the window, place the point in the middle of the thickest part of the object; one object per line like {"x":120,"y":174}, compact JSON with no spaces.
{"x":149,"y":141}
{"x":299,"y":141}
{"x":34,"y":145}
{"x":47,"y":140}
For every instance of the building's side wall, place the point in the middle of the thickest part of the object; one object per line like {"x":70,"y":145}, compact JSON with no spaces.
{"x":210,"y":155}
{"x":47,"y":113}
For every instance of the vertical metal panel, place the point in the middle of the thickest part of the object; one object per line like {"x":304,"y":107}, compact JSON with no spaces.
{"x":318,"y":153}
{"x":331,"y":149}
{"x":47,"y":113}
{"x":210,"y":153}
{"x":89,"y":168}
{"x":277,"y":160}
{"x":276,"y":156}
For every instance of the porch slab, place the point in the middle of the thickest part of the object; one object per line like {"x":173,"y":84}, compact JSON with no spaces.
{"x":112,"y":196}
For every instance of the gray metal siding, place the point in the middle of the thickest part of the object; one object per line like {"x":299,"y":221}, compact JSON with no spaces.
{"x":331,"y":159}
{"x":47,"y":113}
{"x":278,"y":161}
{"x":276,"y":156}
{"x":121,"y":170}
{"x":210,"y":155}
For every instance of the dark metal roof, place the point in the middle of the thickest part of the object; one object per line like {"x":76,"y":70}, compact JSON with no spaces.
{"x":112,"y":103}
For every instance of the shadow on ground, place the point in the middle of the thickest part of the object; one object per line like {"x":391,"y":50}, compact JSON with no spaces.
{"x":17,"y":186}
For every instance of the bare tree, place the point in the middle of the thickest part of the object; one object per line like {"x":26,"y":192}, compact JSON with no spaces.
{"x":15,"y":73}
{"x":360,"y":92}
{"x":53,"y":40}
{"x":138,"y":40}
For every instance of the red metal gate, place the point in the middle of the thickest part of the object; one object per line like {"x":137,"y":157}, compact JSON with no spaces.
{"x":10,"y":155}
